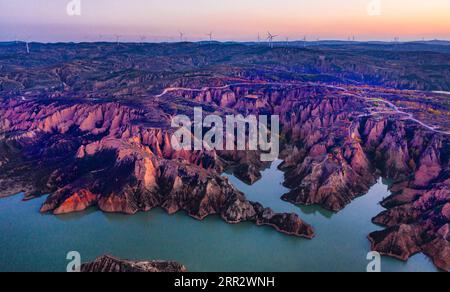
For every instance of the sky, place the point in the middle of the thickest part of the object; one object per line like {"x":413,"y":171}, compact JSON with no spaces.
{"x":238,"y":20}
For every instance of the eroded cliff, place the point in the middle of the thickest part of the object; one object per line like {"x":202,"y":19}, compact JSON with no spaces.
{"x":336,"y":143}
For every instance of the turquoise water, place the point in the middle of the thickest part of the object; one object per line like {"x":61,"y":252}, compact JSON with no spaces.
{"x":31,"y":241}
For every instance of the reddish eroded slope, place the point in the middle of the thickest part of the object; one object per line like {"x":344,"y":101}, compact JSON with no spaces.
{"x":336,"y":145}
{"x":119,"y":165}
{"x":110,"y":264}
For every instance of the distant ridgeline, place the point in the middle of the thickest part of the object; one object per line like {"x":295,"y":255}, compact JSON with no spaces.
{"x":115,"y":67}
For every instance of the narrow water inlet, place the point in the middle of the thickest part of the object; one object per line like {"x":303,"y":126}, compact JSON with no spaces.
{"x":35,"y":242}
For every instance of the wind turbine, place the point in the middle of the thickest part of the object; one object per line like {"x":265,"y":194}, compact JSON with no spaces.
{"x":143,"y":38}
{"x":181,"y":36}
{"x":210,"y":36}
{"x":304,"y":41}
{"x":270,"y":38}
{"x":117,"y":39}
{"x":27,"y":44}
{"x":259,"y":38}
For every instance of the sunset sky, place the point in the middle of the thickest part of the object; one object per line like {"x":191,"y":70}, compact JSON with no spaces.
{"x":160,"y":20}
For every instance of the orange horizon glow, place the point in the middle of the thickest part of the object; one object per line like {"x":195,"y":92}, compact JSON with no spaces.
{"x":242,"y":20}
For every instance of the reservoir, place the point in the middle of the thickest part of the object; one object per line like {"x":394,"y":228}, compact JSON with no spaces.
{"x":31,"y":241}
